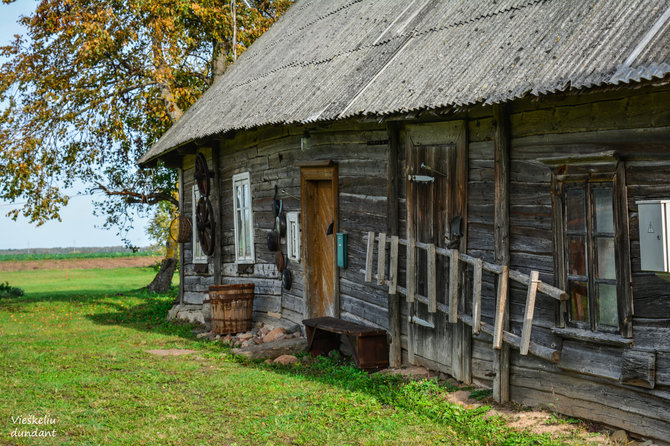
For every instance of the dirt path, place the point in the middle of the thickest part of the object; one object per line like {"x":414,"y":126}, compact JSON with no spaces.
{"x":100,"y":263}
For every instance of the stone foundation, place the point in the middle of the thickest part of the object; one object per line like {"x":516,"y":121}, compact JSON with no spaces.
{"x":197,"y":314}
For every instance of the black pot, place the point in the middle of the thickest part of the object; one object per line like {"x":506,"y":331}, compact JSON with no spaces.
{"x":287,"y":279}
{"x":273,"y":241}
{"x":275,"y":203}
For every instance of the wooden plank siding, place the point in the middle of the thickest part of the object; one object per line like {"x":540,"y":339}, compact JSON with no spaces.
{"x":585,"y":382}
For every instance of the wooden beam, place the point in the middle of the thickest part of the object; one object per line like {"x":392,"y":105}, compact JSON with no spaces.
{"x":218,"y":235}
{"x":477,"y":297}
{"x":622,"y":240}
{"x":501,"y":160}
{"x":453,"y":287}
{"x":411,"y":269}
{"x":392,"y":222}
{"x":381,"y":259}
{"x":530,"y":309}
{"x":546,"y":353}
{"x":431,"y":279}
{"x":393,"y":269}
{"x":368,"y":256}
{"x":181,"y":245}
{"x":501,"y":308}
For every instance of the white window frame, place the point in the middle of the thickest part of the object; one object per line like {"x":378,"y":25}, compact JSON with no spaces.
{"x":198,"y":255}
{"x":293,"y":236}
{"x":243,"y":179}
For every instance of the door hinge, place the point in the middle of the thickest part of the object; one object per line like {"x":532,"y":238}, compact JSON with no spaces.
{"x":421,"y":178}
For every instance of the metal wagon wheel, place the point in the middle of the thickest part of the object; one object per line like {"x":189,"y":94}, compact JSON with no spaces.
{"x":205,"y":225}
{"x":202,"y":174}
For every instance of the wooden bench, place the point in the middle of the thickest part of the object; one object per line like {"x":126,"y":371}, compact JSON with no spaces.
{"x":368,"y":345}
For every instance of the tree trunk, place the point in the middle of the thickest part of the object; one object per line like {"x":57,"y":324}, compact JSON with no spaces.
{"x":163,"y":280}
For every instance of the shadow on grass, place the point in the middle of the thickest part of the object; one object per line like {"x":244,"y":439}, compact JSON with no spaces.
{"x":426,"y":398}
{"x":149,"y":315}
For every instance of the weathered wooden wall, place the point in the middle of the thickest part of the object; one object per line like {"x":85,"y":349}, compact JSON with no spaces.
{"x":272,"y":157}
{"x":585,"y":383}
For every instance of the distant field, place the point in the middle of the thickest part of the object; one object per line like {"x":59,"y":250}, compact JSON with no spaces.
{"x":81,"y":280}
{"x":74,"y":255}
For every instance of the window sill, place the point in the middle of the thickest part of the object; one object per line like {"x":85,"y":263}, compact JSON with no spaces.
{"x":592,"y":336}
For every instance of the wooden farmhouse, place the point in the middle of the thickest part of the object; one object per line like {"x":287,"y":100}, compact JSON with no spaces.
{"x":486,"y":181}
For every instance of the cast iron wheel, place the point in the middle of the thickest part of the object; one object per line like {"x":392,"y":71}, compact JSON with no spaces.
{"x":205,"y":224}
{"x":202,"y":174}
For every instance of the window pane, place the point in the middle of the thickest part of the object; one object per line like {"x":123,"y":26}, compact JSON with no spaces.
{"x":247,"y":204}
{"x":577,"y":253}
{"x":247,"y":235}
{"x":608,"y":313}
{"x":240,"y":235}
{"x":575,"y":210}
{"x":239,"y":196}
{"x":604,"y":212}
{"x":579,"y":302}
{"x":605,"y":267}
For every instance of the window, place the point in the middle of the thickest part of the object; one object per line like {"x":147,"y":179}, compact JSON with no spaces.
{"x":244,"y":221}
{"x":293,"y":235}
{"x":198,"y":255}
{"x":592,"y":248}
{"x":591,"y":260}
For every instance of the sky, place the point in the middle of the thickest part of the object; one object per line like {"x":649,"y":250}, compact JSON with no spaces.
{"x":79,"y":227}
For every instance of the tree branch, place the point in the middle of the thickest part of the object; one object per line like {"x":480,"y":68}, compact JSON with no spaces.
{"x":132,"y":197}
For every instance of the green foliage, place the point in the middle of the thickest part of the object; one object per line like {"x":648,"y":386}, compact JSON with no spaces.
{"x":7,"y":291}
{"x":481,"y":394}
{"x":91,"y":85}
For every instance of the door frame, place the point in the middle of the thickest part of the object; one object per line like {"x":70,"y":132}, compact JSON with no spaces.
{"x":318,"y":171}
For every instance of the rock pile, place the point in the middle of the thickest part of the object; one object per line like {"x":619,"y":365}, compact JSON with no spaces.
{"x":260,"y":334}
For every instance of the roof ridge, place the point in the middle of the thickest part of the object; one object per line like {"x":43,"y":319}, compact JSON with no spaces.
{"x":408,"y":35}
{"x":296,"y":30}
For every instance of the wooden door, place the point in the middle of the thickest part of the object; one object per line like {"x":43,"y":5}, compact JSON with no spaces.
{"x":436,"y":186}
{"x":319,"y":191}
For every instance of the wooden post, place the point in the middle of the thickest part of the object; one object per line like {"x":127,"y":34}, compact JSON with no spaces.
{"x":453,"y":286}
{"x":181,"y":245}
{"x":530,"y":309}
{"x":218,"y":235}
{"x":381,"y":259}
{"x":432,"y":279}
{"x":477,"y":297}
{"x":463,"y":331}
{"x":501,"y":308}
{"x":411,"y":269}
{"x":393,"y":269}
{"x":368,"y":256}
{"x":501,"y":156}
{"x":395,"y":348}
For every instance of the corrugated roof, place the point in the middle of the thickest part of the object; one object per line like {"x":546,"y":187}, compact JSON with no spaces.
{"x":331,"y":60}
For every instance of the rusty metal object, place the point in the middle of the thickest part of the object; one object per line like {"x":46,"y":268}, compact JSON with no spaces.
{"x":202,"y":174}
{"x":205,"y":225}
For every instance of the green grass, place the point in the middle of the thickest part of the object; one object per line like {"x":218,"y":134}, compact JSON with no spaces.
{"x":79,"y":356}
{"x":80,"y":281}
{"x":74,"y":255}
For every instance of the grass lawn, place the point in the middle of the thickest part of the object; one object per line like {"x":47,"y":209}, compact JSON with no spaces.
{"x":77,"y":354}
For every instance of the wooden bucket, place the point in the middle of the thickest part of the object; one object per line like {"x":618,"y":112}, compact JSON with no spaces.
{"x":232,"y":307}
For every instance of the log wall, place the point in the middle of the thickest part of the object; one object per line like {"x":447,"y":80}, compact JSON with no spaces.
{"x":586,"y":381}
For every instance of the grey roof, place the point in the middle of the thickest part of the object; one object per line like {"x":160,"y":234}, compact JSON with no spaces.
{"x":332,"y":59}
